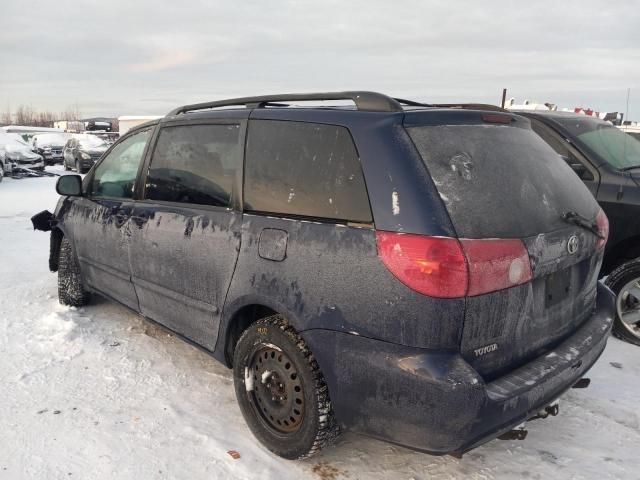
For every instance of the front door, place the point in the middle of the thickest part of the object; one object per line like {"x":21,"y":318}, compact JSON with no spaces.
{"x":101,"y":220}
{"x":185,"y":232}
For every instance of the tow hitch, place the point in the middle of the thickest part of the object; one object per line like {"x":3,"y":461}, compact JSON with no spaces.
{"x":520,"y":432}
{"x":552,"y":409}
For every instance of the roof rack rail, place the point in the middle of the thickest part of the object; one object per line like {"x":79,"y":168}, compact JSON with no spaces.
{"x":470,"y":106}
{"x":365,"y":101}
{"x":411,"y":103}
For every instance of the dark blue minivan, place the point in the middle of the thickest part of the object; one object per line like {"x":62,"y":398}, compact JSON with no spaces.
{"x":426,"y":275}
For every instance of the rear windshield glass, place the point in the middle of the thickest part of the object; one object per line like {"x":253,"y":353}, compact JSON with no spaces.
{"x":610,"y":143}
{"x":500,"y":181}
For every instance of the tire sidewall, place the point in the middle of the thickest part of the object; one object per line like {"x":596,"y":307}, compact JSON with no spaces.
{"x":296,"y":444}
{"x":616,"y":281}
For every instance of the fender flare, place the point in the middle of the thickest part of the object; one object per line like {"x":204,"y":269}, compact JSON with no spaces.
{"x":229,"y":315}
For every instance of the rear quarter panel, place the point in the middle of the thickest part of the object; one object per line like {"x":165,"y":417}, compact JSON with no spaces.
{"x":333,"y":279}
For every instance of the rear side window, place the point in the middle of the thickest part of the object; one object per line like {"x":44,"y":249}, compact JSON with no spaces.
{"x":500,"y":181}
{"x":195,"y":164}
{"x":304,"y":169}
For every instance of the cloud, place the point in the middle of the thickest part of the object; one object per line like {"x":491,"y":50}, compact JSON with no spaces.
{"x":120,"y":54}
{"x":165,"y":61}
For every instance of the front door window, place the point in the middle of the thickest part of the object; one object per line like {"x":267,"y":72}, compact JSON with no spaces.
{"x":115,"y":177}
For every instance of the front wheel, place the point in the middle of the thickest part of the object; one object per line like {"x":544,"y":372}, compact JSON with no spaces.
{"x":625,"y":283}
{"x":70,"y":290}
{"x":281,"y":390}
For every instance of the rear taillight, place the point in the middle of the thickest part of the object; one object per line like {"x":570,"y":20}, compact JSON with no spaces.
{"x":496,"y":264}
{"x":450,"y":268}
{"x":434,"y":266}
{"x":603,"y":228}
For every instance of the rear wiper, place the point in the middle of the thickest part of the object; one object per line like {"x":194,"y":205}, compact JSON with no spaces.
{"x":577,"y":219}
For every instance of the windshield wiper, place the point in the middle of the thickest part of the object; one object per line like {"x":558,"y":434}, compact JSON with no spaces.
{"x":577,"y":219}
{"x":630,"y":168}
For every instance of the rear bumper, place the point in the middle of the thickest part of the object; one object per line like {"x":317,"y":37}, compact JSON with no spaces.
{"x":435,"y":401}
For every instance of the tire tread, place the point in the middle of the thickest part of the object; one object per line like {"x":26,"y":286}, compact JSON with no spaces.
{"x":70,"y":290}
{"x":328,"y":429}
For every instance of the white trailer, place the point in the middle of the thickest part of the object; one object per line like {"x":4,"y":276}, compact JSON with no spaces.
{"x":127,"y":122}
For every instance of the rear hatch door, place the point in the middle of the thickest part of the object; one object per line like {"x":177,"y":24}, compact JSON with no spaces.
{"x":498,"y":179}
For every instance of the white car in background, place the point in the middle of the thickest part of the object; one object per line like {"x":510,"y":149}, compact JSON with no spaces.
{"x":16,"y":153}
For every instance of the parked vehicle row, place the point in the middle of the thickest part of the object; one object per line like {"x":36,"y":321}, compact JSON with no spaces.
{"x":78,"y":151}
{"x":426,"y":275}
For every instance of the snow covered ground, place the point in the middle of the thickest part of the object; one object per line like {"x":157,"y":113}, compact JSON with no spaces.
{"x":99,"y":393}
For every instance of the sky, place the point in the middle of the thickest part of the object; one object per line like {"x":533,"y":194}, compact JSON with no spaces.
{"x":145,"y":57}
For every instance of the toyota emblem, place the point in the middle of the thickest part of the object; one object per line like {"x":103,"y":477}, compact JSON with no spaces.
{"x":572,"y":244}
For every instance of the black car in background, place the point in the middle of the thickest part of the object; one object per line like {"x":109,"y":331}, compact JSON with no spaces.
{"x":608,"y":162}
{"x":361,"y":268}
{"x":50,"y":146}
{"x":82,"y":151}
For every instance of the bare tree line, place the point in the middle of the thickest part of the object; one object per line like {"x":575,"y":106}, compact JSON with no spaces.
{"x":28,"y":116}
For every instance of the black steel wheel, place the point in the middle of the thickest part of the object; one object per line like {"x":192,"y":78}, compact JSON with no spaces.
{"x":277,"y":396}
{"x":281,"y":390}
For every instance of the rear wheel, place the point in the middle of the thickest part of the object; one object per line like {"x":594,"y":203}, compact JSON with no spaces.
{"x":625,"y":283}
{"x":281,"y":390}
{"x":70,"y":290}
{"x":1,"y":172}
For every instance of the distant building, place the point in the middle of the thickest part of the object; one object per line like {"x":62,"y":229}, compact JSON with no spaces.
{"x":73,"y":126}
{"x":127,"y":122}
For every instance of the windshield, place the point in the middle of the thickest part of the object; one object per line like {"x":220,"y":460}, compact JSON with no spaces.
{"x":90,"y":141}
{"x":49,"y":139}
{"x":18,"y":138}
{"x":611,"y":144}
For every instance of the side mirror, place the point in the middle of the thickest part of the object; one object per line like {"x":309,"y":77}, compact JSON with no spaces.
{"x":69,"y":185}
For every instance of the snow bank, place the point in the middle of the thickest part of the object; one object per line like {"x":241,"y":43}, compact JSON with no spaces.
{"x":99,"y":393}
